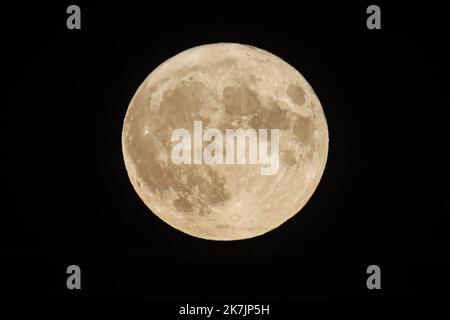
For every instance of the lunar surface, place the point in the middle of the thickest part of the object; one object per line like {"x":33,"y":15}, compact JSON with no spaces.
{"x":225,"y":86}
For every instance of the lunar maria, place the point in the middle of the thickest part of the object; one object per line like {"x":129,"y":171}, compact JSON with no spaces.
{"x":235,"y":140}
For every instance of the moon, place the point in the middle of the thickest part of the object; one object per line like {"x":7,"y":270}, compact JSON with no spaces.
{"x":225,"y":86}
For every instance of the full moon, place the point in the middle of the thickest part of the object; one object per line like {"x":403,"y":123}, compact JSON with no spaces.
{"x":225,"y":87}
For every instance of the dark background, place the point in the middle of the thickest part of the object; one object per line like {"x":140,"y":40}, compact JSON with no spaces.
{"x":383,"y":198}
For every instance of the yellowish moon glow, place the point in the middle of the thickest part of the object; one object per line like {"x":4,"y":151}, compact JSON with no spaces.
{"x":224,"y":86}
